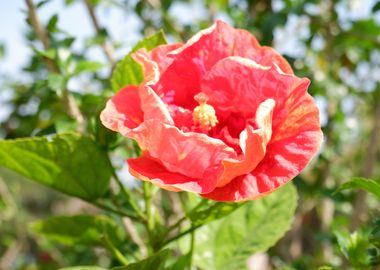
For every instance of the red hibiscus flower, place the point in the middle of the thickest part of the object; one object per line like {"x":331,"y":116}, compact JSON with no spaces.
{"x":220,"y":116}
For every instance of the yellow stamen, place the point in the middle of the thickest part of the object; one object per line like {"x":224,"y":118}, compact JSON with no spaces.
{"x":204,"y":115}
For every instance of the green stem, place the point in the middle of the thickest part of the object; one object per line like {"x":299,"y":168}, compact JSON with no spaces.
{"x":149,"y":222}
{"x":178,"y":236}
{"x":128,"y":195}
{"x":192,"y":242}
{"x":115,"y":211}
{"x":174,"y":226}
{"x":118,"y":255}
{"x":181,"y":220}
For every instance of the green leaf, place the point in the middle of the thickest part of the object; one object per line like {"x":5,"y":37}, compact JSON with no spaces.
{"x":87,"y":66}
{"x":83,"y":268}
{"x":255,"y":227}
{"x":211,"y":211}
{"x":369,"y":185}
{"x":69,"y":2}
{"x":126,"y":72}
{"x":69,"y":163}
{"x":355,"y":247}
{"x":156,"y":262}
{"x":42,"y":3}
{"x":129,"y":72}
{"x":49,"y":53}
{"x":52,"y":24}
{"x":2,"y":51}
{"x":78,"y":230}
{"x":181,"y":263}
{"x":56,"y":82}
{"x":151,"y":42}
{"x":376,"y":7}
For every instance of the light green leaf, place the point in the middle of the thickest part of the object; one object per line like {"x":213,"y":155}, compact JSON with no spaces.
{"x":355,"y":247}
{"x":126,"y":72}
{"x":78,"y":230}
{"x":69,"y":163}
{"x":56,"y":82}
{"x":255,"y":227}
{"x":87,"y":66}
{"x":151,"y":42}
{"x":129,"y":72}
{"x":156,"y":262}
{"x":369,"y":185}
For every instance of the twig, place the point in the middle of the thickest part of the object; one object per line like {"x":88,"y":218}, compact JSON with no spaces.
{"x":359,"y":213}
{"x":10,"y":255}
{"x":68,"y":100}
{"x":106,"y":46}
{"x":178,"y":236}
{"x":128,"y":195}
{"x":115,"y":211}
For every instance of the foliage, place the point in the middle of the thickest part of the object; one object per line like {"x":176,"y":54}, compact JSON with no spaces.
{"x":51,"y":134}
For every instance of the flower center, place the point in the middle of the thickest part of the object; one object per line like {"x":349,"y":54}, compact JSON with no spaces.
{"x":204,"y":115}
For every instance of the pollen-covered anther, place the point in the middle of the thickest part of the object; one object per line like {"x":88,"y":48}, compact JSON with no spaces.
{"x":204,"y":115}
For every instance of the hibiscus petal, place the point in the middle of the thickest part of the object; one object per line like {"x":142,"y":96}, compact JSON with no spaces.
{"x":193,"y":154}
{"x":160,"y":55}
{"x":238,"y":85}
{"x":296,"y":134}
{"x":221,"y":40}
{"x":283,"y":161}
{"x":181,"y":80}
{"x":253,"y":144}
{"x":123,"y":111}
{"x":147,"y":169}
{"x":153,"y":106}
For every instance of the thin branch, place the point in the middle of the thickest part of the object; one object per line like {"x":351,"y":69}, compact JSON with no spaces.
{"x":41,"y":34}
{"x":106,"y":46}
{"x":115,"y":211}
{"x":359,"y":213}
{"x":178,"y":236}
{"x":128,"y":195}
{"x":68,"y":100}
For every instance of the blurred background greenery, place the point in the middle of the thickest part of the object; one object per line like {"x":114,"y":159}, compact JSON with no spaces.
{"x":334,"y":43}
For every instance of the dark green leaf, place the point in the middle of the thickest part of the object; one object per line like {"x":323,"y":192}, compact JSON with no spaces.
{"x":255,"y":227}
{"x":129,"y":72}
{"x":369,"y":185}
{"x":376,"y":7}
{"x":78,"y":230}
{"x":211,"y":212}
{"x":2,"y":51}
{"x":52,"y":24}
{"x":156,"y":262}
{"x":181,"y":263}
{"x":42,"y":3}
{"x":69,"y":163}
